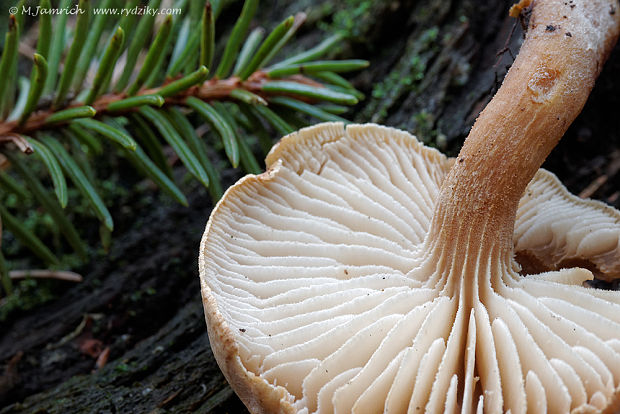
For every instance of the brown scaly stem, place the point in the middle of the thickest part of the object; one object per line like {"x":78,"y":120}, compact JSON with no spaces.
{"x":213,"y":89}
{"x":543,"y":92}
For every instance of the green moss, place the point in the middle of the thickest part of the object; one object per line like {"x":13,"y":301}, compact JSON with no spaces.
{"x":138,"y":295}
{"x":347,"y":19}
{"x":429,"y":37}
{"x":407,"y":76}
{"x":423,"y":126}
{"x":122,"y":368}
{"x":28,"y":294}
{"x":407,"y":81}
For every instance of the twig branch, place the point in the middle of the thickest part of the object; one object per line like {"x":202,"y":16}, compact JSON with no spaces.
{"x":214,"y":89}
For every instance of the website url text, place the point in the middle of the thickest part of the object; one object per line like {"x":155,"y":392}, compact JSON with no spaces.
{"x":35,"y":11}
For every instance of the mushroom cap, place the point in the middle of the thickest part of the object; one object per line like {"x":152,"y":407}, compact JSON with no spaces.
{"x":319,"y":295}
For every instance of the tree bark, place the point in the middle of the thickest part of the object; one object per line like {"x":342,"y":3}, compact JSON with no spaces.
{"x":434,"y":65}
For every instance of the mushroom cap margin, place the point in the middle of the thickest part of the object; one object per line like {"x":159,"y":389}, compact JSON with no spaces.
{"x":257,"y":394}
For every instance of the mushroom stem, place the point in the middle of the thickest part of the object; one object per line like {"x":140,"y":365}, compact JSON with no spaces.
{"x":545,"y":89}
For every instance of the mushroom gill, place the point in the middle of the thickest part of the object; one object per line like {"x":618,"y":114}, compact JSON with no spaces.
{"x":555,"y":229}
{"x":364,"y":272}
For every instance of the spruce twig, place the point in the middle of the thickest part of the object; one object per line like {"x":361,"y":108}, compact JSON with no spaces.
{"x":66,"y":115}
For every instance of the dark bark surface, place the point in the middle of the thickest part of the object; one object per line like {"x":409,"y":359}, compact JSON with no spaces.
{"x":434,"y":65}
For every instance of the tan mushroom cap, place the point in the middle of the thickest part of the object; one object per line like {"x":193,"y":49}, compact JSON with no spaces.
{"x":319,"y":297}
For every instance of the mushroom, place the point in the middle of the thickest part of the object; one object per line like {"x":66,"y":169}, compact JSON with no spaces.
{"x":555,"y":229}
{"x":364,"y":272}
